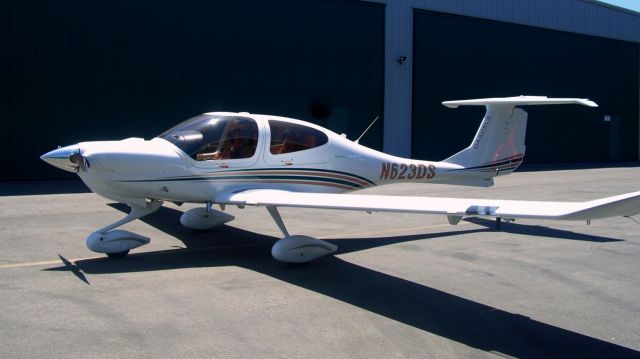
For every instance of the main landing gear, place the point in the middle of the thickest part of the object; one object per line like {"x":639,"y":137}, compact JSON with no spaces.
{"x":297,"y":248}
{"x":205,"y":218}
{"x":500,"y":220}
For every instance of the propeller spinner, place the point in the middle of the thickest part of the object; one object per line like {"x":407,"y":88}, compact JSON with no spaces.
{"x":68,"y":158}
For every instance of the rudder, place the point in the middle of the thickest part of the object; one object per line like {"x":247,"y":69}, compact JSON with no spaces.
{"x":498,"y":146}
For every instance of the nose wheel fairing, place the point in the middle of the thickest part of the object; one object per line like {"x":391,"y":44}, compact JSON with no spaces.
{"x":117,"y":243}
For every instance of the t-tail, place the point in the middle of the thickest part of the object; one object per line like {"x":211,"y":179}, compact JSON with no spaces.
{"x":498,"y":147}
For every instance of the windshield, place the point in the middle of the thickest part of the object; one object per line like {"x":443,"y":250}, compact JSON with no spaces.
{"x":214,"y":137}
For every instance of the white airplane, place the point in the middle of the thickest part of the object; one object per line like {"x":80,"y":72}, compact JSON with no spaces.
{"x":244,"y":159}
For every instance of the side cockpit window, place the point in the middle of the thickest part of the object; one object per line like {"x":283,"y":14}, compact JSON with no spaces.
{"x":289,"y":137}
{"x":211,"y":137}
{"x":232,"y":138}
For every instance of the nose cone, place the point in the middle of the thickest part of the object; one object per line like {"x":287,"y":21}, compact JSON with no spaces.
{"x":63,"y":158}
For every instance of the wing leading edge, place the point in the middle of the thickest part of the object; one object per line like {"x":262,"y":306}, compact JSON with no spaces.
{"x":622,"y":205}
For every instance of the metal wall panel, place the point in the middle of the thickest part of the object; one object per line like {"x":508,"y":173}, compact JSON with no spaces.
{"x":482,"y":58}
{"x":579,"y":16}
{"x":93,"y":70}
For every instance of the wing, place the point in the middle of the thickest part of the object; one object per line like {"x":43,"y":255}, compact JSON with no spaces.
{"x":622,"y":205}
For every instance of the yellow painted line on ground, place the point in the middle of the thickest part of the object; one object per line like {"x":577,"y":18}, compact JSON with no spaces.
{"x":198,"y":249}
{"x":30,"y":264}
{"x":73,"y":260}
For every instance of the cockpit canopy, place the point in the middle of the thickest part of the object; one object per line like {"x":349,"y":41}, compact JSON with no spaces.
{"x":226,"y":137}
{"x":215,"y":137}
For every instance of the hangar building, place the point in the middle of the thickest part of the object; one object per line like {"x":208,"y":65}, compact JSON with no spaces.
{"x":77,"y":70}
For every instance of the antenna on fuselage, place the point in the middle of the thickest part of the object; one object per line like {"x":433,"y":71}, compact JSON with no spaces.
{"x":367,"y":129}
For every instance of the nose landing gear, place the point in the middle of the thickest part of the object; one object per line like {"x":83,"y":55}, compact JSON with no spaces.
{"x":117,"y":243}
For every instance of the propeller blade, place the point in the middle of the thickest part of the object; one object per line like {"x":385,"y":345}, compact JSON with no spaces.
{"x":80,"y":160}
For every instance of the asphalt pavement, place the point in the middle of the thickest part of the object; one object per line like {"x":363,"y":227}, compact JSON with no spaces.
{"x":400,"y":285}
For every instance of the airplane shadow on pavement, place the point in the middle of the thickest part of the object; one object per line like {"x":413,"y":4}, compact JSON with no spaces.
{"x":465,"y":321}
{"x":540,"y":231}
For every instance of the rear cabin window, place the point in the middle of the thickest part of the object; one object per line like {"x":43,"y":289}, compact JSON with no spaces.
{"x":289,"y":137}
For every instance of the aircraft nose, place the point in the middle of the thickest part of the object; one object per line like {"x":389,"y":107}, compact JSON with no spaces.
{"x":67,"y":158}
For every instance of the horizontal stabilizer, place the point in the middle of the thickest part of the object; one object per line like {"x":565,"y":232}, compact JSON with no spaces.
{"x":622,"y":205}
{"x":520,"y":101}
{"x":498,"y":147}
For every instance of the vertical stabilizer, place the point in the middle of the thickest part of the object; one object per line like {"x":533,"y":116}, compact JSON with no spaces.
{"x":498,"y":146}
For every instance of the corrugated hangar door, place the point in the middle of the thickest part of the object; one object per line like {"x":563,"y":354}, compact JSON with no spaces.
{"x":95,"y":70}
{"x":459,"y":57}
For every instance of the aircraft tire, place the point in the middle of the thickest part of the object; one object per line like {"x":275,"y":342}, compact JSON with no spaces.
{"x":118,"y":255}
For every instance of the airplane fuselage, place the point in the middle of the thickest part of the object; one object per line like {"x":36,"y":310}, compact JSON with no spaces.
{"x":135,"y":169}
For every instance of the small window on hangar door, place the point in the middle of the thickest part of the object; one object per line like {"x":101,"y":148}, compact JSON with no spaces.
{"x":289,"y":137}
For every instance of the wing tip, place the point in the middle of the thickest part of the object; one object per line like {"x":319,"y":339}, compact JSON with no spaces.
{"x":450,"y":104}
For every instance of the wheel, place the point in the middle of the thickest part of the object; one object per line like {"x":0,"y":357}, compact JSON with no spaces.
{"x":118,"y":255}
